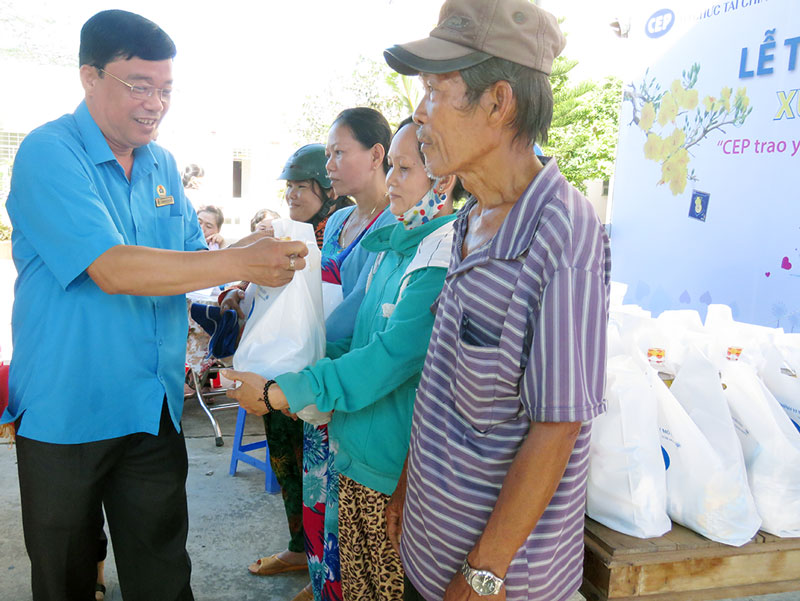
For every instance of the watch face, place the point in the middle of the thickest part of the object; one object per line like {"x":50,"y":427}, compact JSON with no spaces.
{"x":484,"y":584}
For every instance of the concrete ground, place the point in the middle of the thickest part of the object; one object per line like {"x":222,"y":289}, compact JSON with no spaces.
{"x":232,"y":522}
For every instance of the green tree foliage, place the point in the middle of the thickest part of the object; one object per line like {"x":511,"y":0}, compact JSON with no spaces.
{"x":406,"y":89}
{"x":371,"y":83}
{"x":583,"y":134}
{"x":566,"y":99}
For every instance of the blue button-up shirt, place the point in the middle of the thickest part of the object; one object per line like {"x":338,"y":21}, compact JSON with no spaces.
{"x":88,"y":365}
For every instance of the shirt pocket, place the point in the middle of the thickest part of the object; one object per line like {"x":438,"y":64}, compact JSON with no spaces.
{"x":482,"y":395}
{"x":171,"y":210}
{"x":170,"y":231}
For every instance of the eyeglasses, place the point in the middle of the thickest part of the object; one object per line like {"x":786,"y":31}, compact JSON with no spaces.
{"x":143,"y":92}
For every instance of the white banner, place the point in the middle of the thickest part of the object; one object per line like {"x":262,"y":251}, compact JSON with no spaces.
{"x":706,"y":205}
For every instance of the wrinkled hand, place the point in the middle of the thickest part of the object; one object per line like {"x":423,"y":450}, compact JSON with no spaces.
{"x":250,"y":393}
{"x":266,"y":227}
{"x":232,"y":302}
{"x":270,"y":262}
{"x":215,"y":239}
{"x":394,"y":517}
{"x":459,"y":590}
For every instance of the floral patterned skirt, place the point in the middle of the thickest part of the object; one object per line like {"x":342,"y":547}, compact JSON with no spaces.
{"x":321,"y":513}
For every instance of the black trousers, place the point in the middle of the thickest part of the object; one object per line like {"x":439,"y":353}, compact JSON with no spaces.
{"x":141,"y":481}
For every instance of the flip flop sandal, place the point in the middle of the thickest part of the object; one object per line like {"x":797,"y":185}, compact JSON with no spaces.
{"x":99,"y":588}
{"x":267,"y":566}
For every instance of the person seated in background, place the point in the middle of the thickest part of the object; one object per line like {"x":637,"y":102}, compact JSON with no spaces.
{"x":262,"y":221}
{"x":211,"y":219}
{"x":369,"y":381}
{"x":192,"y":173}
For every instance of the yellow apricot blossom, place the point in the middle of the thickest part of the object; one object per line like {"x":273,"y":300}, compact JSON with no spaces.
{"x":684,"y":98}
{"x":741,"y":98}
{"x":668,"y":110}
{"x":689,"y":100}
{"x":674,"y":141}
{"x":647,"y":117}
{"x":726,"y":99}
{"x":653,"y":148}
{"x":675,"y":171}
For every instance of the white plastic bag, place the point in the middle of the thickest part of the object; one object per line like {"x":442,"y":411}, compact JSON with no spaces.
{"x":698,"y":388}
{"x":699,"y":492}
{"x":780,"y":371}
{"x":285,"y":329}
{"x":771,"y":447}
{"x":624,"y":321}
{"x":743,"y":342}
{"x":626,"y":489}
{"x":670,"y":334}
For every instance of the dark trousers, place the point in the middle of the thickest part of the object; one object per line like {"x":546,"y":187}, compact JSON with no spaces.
{"x":285,"y":441}
{"x":409,"y":592}
{"x":141,"y":481}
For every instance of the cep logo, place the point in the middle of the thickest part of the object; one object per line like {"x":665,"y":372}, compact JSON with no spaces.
{"x":659,"y":23}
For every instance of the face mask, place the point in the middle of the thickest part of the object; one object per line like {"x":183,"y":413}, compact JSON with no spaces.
{"x":425,"y":210}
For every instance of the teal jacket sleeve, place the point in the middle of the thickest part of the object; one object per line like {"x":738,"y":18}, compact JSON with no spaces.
{"x":367,"y":374}
{"x":334,"y":350}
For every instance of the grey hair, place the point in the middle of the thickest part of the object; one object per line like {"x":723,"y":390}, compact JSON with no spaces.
{"x":531,"y":88}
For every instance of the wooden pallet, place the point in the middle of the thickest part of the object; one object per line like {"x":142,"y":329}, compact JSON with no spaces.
{"x":684,"y":566}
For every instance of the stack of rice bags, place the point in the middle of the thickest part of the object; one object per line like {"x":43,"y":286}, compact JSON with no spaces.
{"x":766,"y":369}
{"x":677,"y":441}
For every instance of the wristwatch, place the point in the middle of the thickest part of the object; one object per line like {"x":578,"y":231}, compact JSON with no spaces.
{"x":483,"y":582}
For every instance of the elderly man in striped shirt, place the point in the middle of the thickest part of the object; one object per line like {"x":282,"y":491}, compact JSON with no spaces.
{"x":491,"y":500}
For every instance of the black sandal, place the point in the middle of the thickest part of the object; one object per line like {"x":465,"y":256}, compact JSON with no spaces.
{"x":100,"y":588}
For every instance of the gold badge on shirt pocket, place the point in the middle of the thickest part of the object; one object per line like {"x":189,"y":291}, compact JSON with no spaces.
{"x":163,"y":200}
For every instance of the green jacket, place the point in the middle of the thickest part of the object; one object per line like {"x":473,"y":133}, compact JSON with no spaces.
{"x":370,"y":380}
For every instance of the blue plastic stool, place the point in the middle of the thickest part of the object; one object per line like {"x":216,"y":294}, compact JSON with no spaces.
{"x":240,"y":453}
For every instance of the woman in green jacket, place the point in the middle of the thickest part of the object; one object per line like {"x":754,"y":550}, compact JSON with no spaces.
{"x":369,"y":381}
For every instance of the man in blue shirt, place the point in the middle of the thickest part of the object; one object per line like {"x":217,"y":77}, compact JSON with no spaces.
{"x":101,"y":230}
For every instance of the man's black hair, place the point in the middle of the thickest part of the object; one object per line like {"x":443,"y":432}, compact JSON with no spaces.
{"x":118,"y":34}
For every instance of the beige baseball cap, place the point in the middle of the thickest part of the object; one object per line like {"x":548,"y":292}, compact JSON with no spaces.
{"x":472,"y":31}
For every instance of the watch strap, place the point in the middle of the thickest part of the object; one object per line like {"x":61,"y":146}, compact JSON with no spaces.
{"x":491,"y":582}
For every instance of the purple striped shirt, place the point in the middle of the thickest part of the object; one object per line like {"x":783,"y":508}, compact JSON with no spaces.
{"x":519,"y":337}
